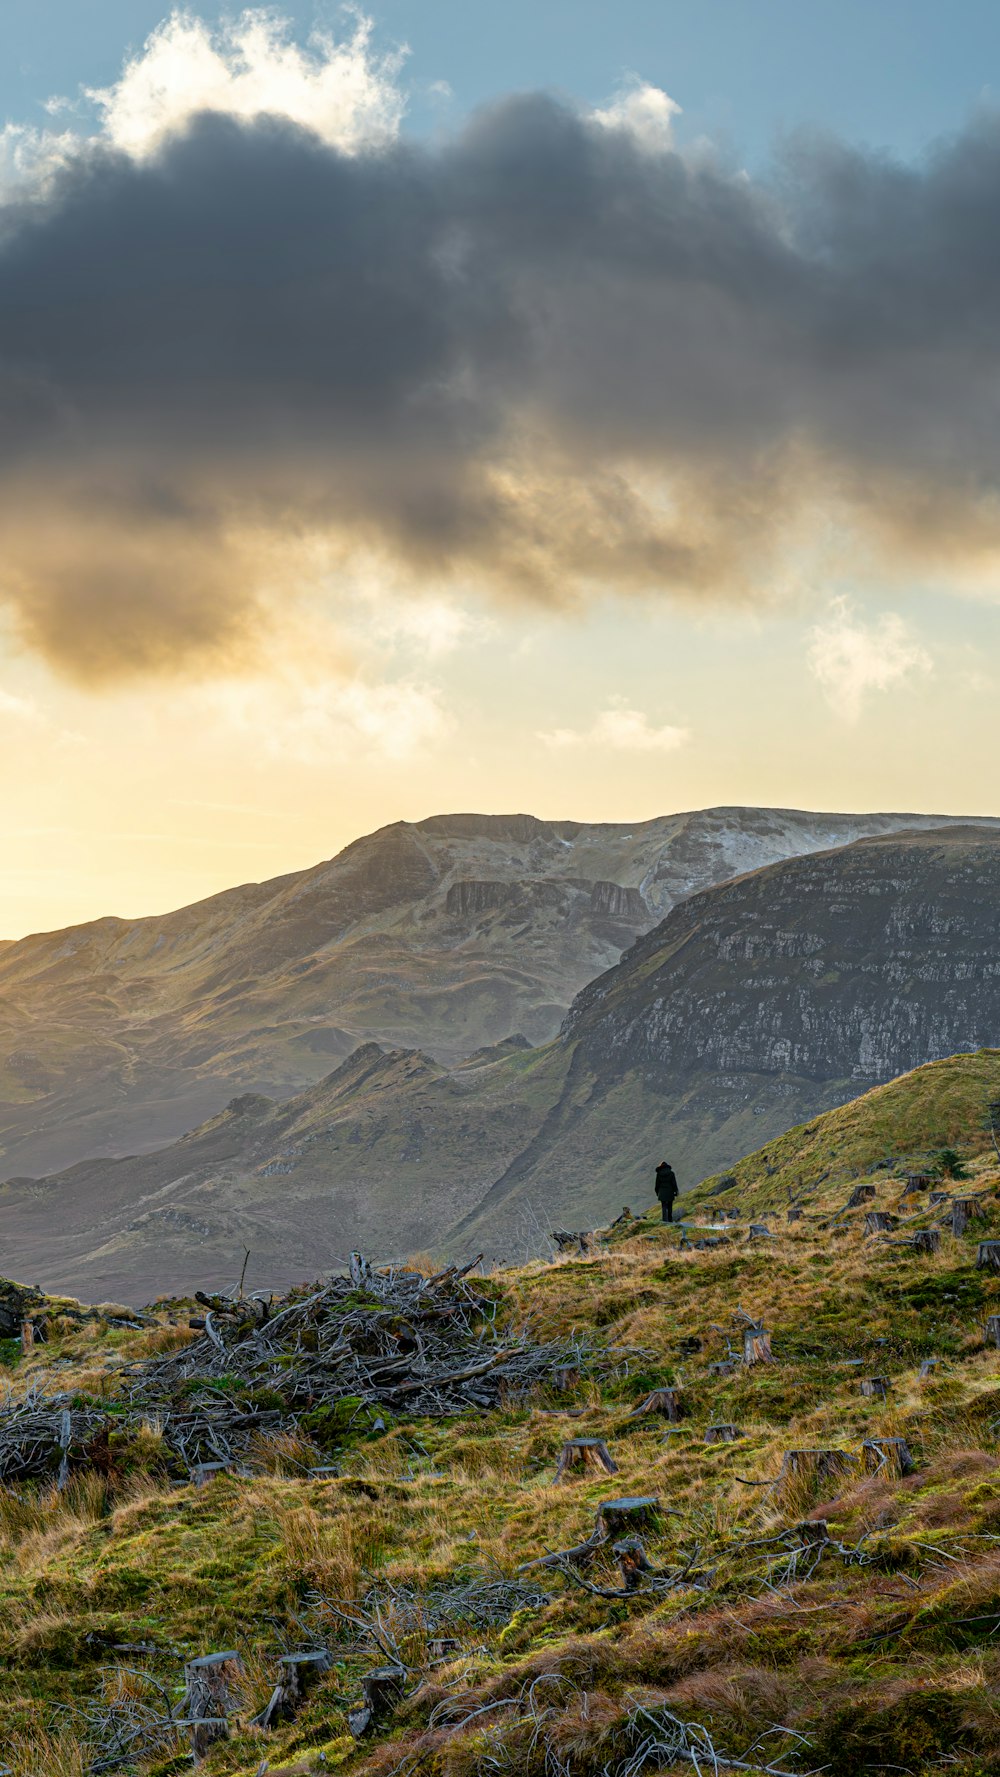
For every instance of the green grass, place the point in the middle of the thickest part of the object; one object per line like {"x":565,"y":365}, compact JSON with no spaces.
{"x":885,"y":1654}
{"x":906,"y":1123}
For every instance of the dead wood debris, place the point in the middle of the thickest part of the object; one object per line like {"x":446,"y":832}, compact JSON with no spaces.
{"x":393,"y":1341}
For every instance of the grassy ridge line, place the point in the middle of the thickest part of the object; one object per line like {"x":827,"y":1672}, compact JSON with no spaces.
{"x":892,"y":1663}
{"x":943,"y":1104}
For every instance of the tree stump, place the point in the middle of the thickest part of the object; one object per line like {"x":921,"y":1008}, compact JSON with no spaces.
{"x":668,"y":1401}
{"x":878,"y":1221}
{"x":722,"y":1434}
{"x":920,"y":1181}
{"x":639,"y":1512}
{"x":757,"y":1345}
{"x":891,"y":1453}
{"x":758,"y":1231}
{"x":584,"y":1454}
{"x":443,"y":1647}
{"x":937,"y":1197}
{"x":927,"y":1240}
{"x":860,"y":1194}
{"x":299,"y":1673}
{"x":203,"y":1472}
{"x":928,"y":1368}
{"x":988,"y":1255}
{"x":993,"y":1330}
{"x":816,"y":1465}
{"x":812,"y":1531}
{"x":382,"y":1691}
{"x":567,"y":1377}
{"x":876,"y":1386}
{"x":632,"y":1560}
{"x":963,"y":1211}
{"x":206,"y":1700}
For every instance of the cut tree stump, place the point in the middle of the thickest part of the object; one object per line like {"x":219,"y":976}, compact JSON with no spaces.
{"x":722,"y":1434}
{"x":812,"y":1531}
{"x":988,"y":1255}
{"x":758,"y":1231}
{"x":993,"y":1330}
{"x":637,"y":1512}
{"x":937,"y":1197}
{"x":299,"y":1673}
{"x":920,"y":1181}
{"x":927,"y":1240}
{"x":877,"y":1386}
{"x":668,"y":1401}
{"x":584,"y":1454}
{"x":203,"y":1472}
{"x":891,"y":1453}
{"x":816,"y":1465}
{"x":757,"y":1345}
{"x":633,"y":1562}
{"x":878,"y":1221}
{"x":725,"y":1367}
{"x":382,"y":1691}
{"x":963,"y":1211}
{"x":860,"y":1194}
{"x":206,"y":1700}
{"x":928,"y":1368}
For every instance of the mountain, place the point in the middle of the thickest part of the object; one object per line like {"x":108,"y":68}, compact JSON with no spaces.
{"x":752,"y":1007}
{"x":447,"y":935}
{"x":793,"y":1567}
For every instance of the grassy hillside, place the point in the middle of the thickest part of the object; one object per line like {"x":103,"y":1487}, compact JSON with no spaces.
{"x":871,"y":1645}
{"x":887,"y":1132}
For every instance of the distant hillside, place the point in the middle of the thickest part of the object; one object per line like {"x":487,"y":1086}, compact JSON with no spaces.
{"x":753,"y":1007}
{"x":446,"y":935}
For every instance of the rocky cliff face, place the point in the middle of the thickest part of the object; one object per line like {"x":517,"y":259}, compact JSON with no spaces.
{"x":854,"y":965}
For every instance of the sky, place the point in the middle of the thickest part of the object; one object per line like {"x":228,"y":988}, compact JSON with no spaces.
{"x":583,"y":409}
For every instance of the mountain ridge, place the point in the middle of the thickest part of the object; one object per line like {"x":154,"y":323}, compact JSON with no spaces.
{"x":753,"y":1006}
{"x":448,"y":934}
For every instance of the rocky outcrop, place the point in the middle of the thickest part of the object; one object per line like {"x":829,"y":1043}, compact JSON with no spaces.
{"x":609,"y":900}
{"x":468,"y":898}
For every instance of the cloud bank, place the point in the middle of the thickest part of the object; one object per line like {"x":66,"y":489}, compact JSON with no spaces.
{"x":549,"y":354}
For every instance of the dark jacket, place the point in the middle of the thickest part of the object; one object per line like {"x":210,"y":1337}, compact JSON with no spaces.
{"x":666,"y":1182}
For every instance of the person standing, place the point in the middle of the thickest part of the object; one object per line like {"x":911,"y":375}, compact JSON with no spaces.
{"x":666,"y":1189}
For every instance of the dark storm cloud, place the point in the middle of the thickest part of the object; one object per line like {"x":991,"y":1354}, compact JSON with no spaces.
{"x":539,"y":353}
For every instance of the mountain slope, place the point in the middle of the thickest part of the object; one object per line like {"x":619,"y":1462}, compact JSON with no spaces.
{"x":756,"y":1005}
{"x":752,"y":1007}
{"x":445,"y":934}
{"x":885,"y":1134}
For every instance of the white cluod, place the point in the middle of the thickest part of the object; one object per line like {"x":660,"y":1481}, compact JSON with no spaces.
{"x":246,"y":68}
{"x":851,"y":658}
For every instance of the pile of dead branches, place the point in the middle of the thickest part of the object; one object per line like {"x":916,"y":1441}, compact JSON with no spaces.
{"x":352,"y":1352}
